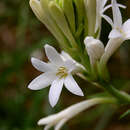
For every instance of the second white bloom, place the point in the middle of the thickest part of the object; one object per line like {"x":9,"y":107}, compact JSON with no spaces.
{"x":57,"y":72}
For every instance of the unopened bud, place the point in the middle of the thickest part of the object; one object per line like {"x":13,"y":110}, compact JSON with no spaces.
{"x":95,"y":49}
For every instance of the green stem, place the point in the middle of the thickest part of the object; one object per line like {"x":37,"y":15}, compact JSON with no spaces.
{"x":122,"y":97}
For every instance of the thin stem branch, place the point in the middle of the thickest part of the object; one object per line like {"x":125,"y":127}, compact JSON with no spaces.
{"x":122,"y":97}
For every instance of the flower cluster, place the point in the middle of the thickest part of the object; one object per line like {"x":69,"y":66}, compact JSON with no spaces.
{"x":76,"y":25}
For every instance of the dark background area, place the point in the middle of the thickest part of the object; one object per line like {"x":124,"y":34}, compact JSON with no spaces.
{"x":23,"y":36}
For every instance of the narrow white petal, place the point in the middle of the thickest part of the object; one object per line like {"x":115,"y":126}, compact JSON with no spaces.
{"x":116,"y":14}
{"x":72,"y":86}
{"x":66,"y":56}
{"x":115,"y":34}
{"x":55,"y":91}
{"x":104,"y":2}
{"x":108,"y":19}
{"x":40,"y":65}
{"x":42,"y":81}
{"x":52,"y":119}
{"x":122,"y":6}
{"x":47,"y":127}
{"x":127,"y":37}
{"x":106,"y":8}
{"x":109,"y":6}
{"x":60,"y":124}
{"x":126,"y":27}
{"x":53,"y":55}
{"x":70,"y":65}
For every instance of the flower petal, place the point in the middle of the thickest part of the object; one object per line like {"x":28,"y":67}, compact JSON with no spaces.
{"x":109,"y":6}
{"x":128,"y":36}
{"x":52,"y":119}
{"x":117,"y":18}
{"x":47,"y":127}
{"x":42,"y":81}
{"x":126,"y":27}
{"x":55,"y":91}
{"x":104,"y":3}
{"x":115,"y":34}
{"x":60,"y":124}
{"x":108,"y":19}
{"x":72,"y":86}
{"x":40,"y":65}
{"x":70,"y":65}
{"x":65,"y":56}
{"x":53,"y":55}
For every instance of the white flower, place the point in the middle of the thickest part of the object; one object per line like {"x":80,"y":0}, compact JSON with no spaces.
{"x":100,"y":9}
{"x":119,"y":33}
{"x":95,"y":49}
{"x":56,"y":73}
{"x":59,"y":119}
{"x":119,"y":30}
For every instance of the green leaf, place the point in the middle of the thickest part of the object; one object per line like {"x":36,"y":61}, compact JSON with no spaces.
{"x":125,"y":114}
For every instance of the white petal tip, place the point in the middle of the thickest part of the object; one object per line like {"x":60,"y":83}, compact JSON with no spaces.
{"x":80,"y":94}
{"x":43,"y":121}
{"x":47,"y":46}
{"x":33,"y":59}
{"x":39,"y":122}
{"x":32,"y":88}
{"x":52,"y":104}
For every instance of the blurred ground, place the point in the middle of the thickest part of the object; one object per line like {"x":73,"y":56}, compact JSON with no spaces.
{"x":23,"y":36}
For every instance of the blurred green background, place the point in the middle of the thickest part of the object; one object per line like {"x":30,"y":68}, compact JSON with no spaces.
{"x":23,"y":36}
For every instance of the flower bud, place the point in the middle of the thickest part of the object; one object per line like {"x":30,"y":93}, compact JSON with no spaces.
{"x":90,"y":7}
{"x":95,"y":49}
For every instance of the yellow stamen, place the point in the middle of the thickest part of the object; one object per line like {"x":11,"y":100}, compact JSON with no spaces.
{"x":121,"y":31}
{"x":62,"y":72}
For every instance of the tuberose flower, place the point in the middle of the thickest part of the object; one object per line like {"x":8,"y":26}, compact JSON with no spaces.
{"x":100,"y":9}
{"x":59,"y":119}
{"x":119,"y":30}
{"x":57,"y":72}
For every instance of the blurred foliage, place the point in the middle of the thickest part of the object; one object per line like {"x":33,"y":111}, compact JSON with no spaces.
{"x":21,"y":36}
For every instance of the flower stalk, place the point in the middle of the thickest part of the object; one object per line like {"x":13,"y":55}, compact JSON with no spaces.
{"x":122,"y":97}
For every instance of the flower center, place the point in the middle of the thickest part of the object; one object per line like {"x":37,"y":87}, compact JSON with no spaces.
{"x":121,"y":31}
{"x":62,"y":72}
